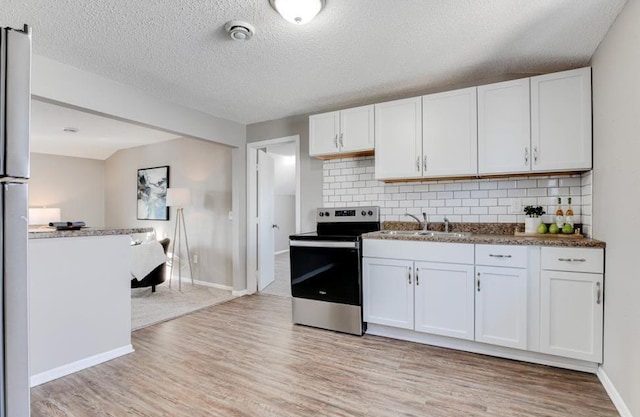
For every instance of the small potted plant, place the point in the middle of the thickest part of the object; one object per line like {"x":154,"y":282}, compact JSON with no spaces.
{"x":533,"y":219}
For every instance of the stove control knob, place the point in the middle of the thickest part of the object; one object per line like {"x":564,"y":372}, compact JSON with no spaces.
{"x":326,"y":213}
{"x":321,"y":214}
{"x":370,"y":213}
{"x":364,"y":213}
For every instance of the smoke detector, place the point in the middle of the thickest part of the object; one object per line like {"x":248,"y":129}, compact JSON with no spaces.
{"x":239,"y":30}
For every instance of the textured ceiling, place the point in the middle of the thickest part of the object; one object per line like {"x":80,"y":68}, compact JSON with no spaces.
{"x":354,"y":51}
{"x":97,"y":137}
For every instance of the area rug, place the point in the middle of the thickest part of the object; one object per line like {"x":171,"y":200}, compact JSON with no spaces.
{"x":166,"y":303}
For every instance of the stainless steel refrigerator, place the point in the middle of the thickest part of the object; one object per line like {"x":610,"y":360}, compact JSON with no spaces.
{"x":15,"y":109}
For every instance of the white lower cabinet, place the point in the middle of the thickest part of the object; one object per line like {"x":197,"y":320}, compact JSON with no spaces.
{"x":501,"y":306}
{"x":541,"y":301}
{"x":571,"y":315}
{"x":444,"y":299}
{"x":388,"y":292}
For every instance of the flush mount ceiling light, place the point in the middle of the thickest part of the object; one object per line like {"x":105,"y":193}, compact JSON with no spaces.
{"x":239,"y":30}
{"x":299,"y":12}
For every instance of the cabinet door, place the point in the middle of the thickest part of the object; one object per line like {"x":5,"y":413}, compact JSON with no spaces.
{"x":323,"y":134}
{"x":444,"y":299}
{"x":504,"y":128}
{"x":398,"y":139}
{"x":501,"y":306}
{"x":449,"y":129}
{"x":356,"y":129}
{"x":571,"y":315}
{"x":561,"y":121}
{"x":388,"y":292}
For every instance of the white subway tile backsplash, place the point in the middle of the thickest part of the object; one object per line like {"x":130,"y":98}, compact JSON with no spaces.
{"x":350,"y":182}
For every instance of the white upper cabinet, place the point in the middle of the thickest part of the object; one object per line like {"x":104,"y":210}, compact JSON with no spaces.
{"x":398,"y":139}
{"x":561,"y":121}
{"x":341,"y":132}
{"x":504,"y":128}
{"x":449,"y":134}
{"x":323,"y":134}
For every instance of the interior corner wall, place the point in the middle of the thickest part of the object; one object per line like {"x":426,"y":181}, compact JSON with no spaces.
{"x":75,"y":185}
{"x":202,"y":166}
{"x":310,"y":168}
{"x":616,"y":197}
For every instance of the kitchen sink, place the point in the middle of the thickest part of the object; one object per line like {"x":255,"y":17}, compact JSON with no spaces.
{"x":431,"y":233}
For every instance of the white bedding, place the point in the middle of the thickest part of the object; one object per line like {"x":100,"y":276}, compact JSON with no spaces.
{"x":145,"y":258}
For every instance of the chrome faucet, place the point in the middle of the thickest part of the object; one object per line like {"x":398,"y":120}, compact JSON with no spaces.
{"x":446,"y":225}
{"x":422,"y":225}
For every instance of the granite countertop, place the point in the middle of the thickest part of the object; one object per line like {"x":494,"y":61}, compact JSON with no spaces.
{"x":47,"y":233}
{"x":483,"y":233}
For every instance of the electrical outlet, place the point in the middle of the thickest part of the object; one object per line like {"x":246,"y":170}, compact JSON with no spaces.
{"x":195,"y":259}
{"x":231,"y":215}
{"x":516,"y":206}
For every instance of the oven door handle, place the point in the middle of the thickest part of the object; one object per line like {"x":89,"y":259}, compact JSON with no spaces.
{"x":323,"y":244}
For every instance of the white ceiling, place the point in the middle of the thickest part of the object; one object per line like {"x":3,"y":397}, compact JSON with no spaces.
{"x":98,"y":137}
{"x":355,"y":51}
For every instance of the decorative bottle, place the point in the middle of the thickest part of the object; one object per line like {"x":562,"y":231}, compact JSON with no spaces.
{"x":569,"y":214}
{"x":559,"y":214}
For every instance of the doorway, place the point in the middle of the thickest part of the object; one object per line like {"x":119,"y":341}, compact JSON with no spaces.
{"x":273,"y":212}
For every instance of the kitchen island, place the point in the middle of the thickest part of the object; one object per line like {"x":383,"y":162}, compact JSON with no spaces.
{"x":80,"y":299}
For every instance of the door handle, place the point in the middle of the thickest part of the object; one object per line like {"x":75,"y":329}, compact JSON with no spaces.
{"x":335,"y":140}
{"x":341,"y":142}
{"x":275,"y":226}
{"x":526,"y":155}
{"x":409,"y":275}
{"x":535,"y":154}
{"x":417,"y":276}
{"x":424,"y":163}
{"x":418,"y":163}
{"x":599,"y":293}
{"x":478,"y":281}
{"x":499,"y":256}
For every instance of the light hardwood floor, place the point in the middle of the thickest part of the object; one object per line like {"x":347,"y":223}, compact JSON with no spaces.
{"x":245,"y":358}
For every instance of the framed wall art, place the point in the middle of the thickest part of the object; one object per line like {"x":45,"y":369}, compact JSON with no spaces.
{"x":152,"y":193}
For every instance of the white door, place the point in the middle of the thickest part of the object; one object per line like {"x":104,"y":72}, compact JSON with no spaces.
{"x":323,"y":133}
{"x":571,"y":309}
{"x":501,"y":306}
{"x":356,"y":129}
{"x":561,"y":121}
{"x":449,"y":133}
{"x":504,"y":128}
{"x":398,"y":139}
{"x":444,"y":299}
{"x":388,"y":292}
{"x":266,"y":220}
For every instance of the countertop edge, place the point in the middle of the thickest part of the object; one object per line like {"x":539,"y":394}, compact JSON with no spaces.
{"x":87,"y":232}
{"x":495,"y":240}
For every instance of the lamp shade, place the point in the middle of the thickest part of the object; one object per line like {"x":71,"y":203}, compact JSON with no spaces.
{"x":45,"y":215}
{"x":298,"y":12}
{"x":178,"y":197}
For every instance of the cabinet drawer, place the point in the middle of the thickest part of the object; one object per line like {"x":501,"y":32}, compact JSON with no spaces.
{"x":573,"y":259}
{"x":501,"y":255}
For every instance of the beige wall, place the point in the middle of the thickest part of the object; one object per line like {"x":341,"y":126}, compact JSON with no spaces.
{"x":310,"y":169}
{"x":75,"y":185}
{"x":616,"y":196}
{"x":202,"y":166}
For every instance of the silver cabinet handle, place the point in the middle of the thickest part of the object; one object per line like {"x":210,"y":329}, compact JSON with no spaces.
{"x":417,"y":277}
{"x":424,"y":163}
{"x":335,"y":140}
{"x":341,"y":143}
{"x":526,"y":155}
{"x":535,"y":154}
{"x":572,"y":260}
{"x":275,"y":226}
{"x":478,"y":281}
{"x":499,"y":256}
{"x":418,"y":163}
{"x":409,"y":275}
{"x":599,"y":293}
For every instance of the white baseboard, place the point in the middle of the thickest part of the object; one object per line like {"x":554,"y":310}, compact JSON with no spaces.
{"x":239,"y":293}
{"x":281,"y":251}
{"x":187,"y":280}
{"x":617,"y":400}
{"x":85,"y":363}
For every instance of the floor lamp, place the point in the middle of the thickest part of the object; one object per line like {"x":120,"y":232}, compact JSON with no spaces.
{"x":179,"y":198}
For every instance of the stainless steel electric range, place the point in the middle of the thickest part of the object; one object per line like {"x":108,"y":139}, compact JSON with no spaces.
{"x":326,"y":269}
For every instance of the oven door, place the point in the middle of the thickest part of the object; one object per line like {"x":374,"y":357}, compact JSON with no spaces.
{"x":326,"y":271}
